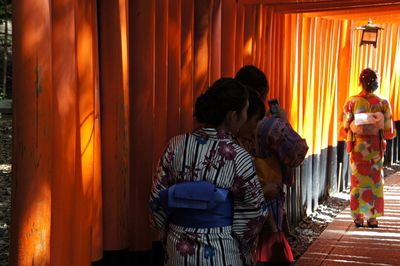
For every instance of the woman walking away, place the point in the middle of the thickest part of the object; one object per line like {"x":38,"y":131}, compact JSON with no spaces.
{"x":367,"y":123}
{"x":206,"y":199}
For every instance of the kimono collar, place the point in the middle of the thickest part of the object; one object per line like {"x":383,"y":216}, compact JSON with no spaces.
{"x":364,"y":93}
{"x":213,"y":133}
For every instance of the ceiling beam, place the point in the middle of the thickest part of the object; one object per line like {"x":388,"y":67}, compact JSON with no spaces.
{"x":301,"y":6}
{"x":389,"y":14}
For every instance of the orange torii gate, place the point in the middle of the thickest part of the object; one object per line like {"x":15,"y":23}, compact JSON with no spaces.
{"x":100,"y":86}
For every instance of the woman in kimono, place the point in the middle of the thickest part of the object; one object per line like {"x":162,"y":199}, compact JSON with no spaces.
{"x":367,"y":123}
{"x":277,"y":150}
{"x":272,"y":229}
{"x":206,"y":199}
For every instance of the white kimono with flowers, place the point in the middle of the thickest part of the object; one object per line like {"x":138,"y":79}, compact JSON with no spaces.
{"x":209,"y":155}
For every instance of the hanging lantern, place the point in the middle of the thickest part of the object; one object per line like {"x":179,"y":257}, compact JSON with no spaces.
{"x":369,"y":33}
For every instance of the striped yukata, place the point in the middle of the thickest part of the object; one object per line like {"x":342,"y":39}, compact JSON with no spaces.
{"x":209,"y":155}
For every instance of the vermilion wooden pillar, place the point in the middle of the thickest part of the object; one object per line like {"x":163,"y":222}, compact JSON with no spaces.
{"x":56,"y":204}
{"x":228,"y":40}
{"x":114,"y":81}
{"x":142,"y":109}
{"x":75,"y":155}
{"x":32,"y":134}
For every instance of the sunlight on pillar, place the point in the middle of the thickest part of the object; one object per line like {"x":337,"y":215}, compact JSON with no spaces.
{"x":248,"y":47}
{"x":201,"y":60}
{"x":123,"y":9}
{"x":35,"y":238}
{"x":86,"y":102}
{"x":187,"y":82}
{"x":87,"y":155}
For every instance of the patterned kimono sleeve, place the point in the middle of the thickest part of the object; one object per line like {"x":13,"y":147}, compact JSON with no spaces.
{"x":343,"y":123}
{"x":278,"y":136}
{"x":160,"y":182}
{"x":389,"y":130}
{"x":249,"y":207}
{"x":347,"y":118}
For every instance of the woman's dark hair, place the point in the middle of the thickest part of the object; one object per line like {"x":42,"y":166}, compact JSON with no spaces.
{"x":254,"y":78}
{"x":367,"y":77}
{"x":226,"y":94}
{"x":256,"y":106}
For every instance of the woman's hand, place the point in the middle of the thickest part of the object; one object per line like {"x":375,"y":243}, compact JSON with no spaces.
{"x":281,"y":113}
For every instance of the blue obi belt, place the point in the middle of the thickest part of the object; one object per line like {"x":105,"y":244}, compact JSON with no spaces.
{"x":197,"y":204}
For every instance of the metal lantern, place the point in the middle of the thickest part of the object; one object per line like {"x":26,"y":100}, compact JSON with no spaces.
{"x":369,"y":33}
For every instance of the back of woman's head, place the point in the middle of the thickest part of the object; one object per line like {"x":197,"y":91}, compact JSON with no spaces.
{"x":254,"y":78}
{"x":226,"y":94}
{"x":369,"y":79}
{"x":256,"y":106}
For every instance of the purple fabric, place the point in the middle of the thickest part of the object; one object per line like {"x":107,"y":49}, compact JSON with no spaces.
{"x":278,"y":137}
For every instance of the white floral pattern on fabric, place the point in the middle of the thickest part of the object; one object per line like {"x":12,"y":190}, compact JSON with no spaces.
{"x":209,"y":155}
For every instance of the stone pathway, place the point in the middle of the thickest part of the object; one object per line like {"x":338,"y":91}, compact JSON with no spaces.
{"x":342,"y":243}
{"x":310,"y":227}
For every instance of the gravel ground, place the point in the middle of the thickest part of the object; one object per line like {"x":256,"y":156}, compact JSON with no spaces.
{"x":310,"y":227}
{"x":303,"y":234}
{"x":5,"y":186}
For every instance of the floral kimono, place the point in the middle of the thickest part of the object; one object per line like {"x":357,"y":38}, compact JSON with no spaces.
{"x":277,"y":150}
{"x":366,"y":155}
{"x":203,"y":158}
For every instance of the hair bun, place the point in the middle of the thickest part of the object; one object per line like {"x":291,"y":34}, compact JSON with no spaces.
{"x":225,"y":94}
{"x":367,"y":77}
{"x":201,"y":99}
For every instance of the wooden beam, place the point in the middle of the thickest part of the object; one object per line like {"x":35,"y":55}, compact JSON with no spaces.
{"x":300,"y":6}
{"x":387,"y":14}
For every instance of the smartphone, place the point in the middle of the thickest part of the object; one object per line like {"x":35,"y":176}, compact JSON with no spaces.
{"x":273,"y":106}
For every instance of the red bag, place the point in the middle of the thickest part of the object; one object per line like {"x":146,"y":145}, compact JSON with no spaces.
{"x":273,"y":247}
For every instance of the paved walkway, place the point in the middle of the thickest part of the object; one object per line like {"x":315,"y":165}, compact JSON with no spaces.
{"x":343,"y":244}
